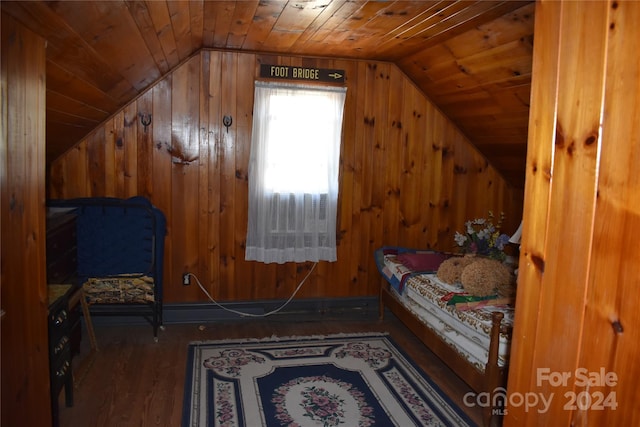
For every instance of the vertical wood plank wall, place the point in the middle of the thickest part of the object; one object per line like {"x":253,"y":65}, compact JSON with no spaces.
{"x":408,"y":176}
{"x":25,"y":354}
{"x":577,"y":312}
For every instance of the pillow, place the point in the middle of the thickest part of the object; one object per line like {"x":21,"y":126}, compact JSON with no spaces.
{"x":422,"y":261}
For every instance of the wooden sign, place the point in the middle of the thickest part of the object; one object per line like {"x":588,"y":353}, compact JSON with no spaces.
{"x":288,"y":72}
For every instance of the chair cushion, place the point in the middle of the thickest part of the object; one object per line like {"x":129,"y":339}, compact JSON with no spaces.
{"x":126,"y":288}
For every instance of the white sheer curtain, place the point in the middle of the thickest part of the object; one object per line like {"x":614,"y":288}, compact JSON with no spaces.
{"x":293,"y":172}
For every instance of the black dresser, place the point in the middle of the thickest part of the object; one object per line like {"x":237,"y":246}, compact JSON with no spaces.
{"x":64,"y":317}
{"x":60,"y":372}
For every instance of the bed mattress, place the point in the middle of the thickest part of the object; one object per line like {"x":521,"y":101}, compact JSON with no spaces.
{"x":465,"y":330}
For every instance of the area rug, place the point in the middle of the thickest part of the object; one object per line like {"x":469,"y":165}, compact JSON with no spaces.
{"x":339,"y":380}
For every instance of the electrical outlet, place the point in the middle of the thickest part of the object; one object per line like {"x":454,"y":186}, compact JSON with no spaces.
{"x":186,"y":279}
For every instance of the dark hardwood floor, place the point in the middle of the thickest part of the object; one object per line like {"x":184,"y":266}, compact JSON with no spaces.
{"x":133,"y":381}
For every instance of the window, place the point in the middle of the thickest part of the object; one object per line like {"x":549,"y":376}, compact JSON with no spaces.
{"x":293,"y":172}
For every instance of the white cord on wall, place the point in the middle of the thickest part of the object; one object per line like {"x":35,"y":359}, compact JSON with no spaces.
{"x":241,"y":313}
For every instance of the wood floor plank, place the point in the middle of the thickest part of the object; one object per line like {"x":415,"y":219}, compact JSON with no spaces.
{"x":133,"y":381}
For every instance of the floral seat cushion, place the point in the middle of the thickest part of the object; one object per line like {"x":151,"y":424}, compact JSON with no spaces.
{"x":130,"y":289}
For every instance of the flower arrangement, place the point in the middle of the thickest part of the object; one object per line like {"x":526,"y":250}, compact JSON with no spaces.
{"x":482,"y":237}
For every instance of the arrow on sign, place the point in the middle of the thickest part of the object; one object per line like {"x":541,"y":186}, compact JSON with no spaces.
{"x":335,"y":75}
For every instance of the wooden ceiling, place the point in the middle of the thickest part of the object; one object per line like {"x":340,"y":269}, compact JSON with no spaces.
{"x":471,"y":58}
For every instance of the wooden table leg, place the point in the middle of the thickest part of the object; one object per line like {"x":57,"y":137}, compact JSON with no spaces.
{"x":86,"y":314}
{"x":87,"y":317}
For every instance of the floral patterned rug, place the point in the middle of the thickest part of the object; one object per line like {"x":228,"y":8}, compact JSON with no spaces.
{"x":340,"y":380}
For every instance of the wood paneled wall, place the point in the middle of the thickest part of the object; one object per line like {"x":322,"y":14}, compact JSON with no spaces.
{"x":577,"y":311}
{"x":25,"y":353}
{"x":408,"y":176}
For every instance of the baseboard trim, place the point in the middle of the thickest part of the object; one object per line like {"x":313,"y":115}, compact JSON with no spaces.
{"x":205,"y":312}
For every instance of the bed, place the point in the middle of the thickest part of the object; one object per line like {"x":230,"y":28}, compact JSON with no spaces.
{"x":120,"y":252}
{"x":471,"y":335}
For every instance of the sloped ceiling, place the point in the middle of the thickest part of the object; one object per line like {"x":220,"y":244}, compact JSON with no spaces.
{"x":472,"y":58}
